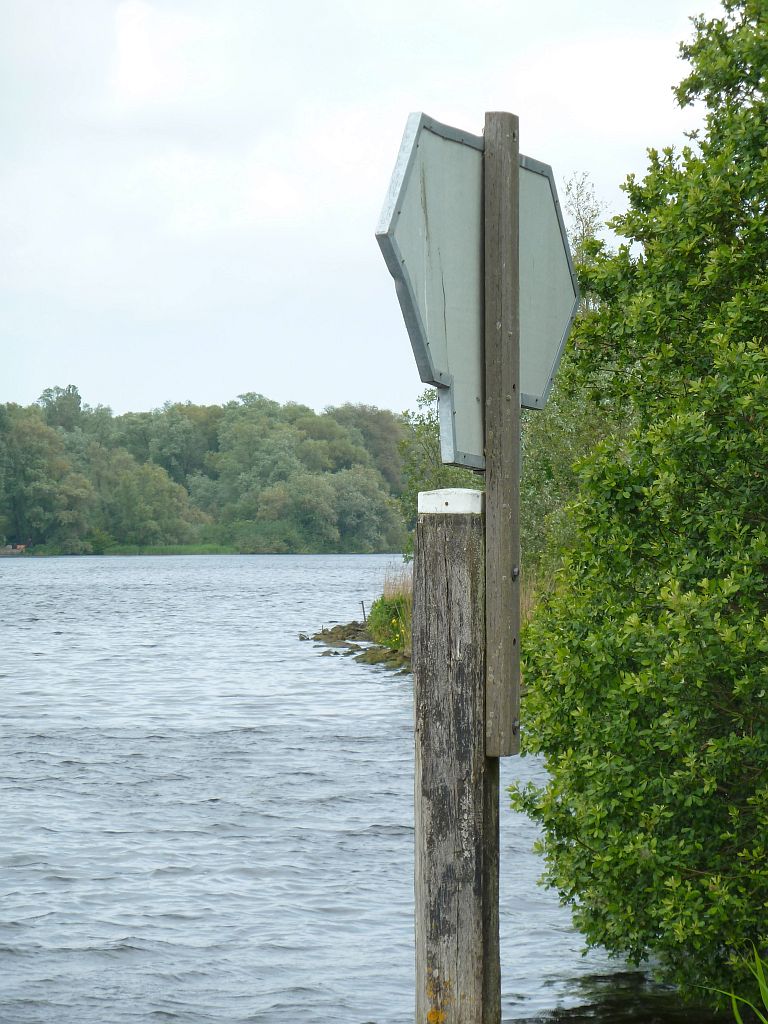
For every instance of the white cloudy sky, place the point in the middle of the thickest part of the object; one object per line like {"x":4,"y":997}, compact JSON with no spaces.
{"x":189,"y":188}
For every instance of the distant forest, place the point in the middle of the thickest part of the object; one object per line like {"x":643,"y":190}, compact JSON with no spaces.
{"x":249,"y":476}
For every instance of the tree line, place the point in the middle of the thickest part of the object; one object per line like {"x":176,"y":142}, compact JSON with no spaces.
{"x":251,"y":475}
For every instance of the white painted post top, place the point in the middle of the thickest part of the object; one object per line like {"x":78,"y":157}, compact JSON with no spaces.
{"x":452,"y":500}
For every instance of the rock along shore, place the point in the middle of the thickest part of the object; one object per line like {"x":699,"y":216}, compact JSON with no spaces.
{"x":354,"y":640}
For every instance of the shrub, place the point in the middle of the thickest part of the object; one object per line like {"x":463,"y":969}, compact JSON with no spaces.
{"x":647,"y":683}
{"x":646,"y":667}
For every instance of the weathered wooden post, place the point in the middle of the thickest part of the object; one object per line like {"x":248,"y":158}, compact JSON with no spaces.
{"x":472,"y":233}
{"x":456,"y":786}
{"x":501,"y":173}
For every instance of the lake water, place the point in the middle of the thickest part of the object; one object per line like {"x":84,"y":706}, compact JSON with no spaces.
{"x":205,"y":820}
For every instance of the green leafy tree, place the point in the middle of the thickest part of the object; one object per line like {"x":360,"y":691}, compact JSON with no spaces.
{"x":305,"y":505}
{"x":554,"y":440}
{"x":140,"y":504}
{"x":646,"y":670}
{"x":585,"y":219}
{"x":575,"y":419}
{"x":262,"y":476}
{"x":45,"y":500}
{"x":366,"y":516}
{"x":134,"y":432}
{"x":256,"y":450}
{"x":5,"y":523}
{"x":61,"y":407}
{"x":98,"y":423}
{"x":380,"y":432}
{"x":327,"y":446}
{"x":177,"y":443}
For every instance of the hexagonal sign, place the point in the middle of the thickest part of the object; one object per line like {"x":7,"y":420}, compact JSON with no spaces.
{"x":431,"y":235}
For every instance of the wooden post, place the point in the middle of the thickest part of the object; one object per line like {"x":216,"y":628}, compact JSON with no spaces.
{"x":502,"y":433}
{"x":456,"y":786}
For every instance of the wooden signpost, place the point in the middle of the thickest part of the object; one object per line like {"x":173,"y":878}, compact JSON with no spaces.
{"x":456,"y":785}
{"x":502,"y":435}
{"x":473,"y":235}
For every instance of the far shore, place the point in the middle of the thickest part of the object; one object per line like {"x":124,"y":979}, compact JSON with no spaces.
{"x":174,"y":549}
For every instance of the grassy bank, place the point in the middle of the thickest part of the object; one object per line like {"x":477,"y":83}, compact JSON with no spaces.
{"x":389,"y":620}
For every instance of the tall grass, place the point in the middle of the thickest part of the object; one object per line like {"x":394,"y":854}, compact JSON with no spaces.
{"x":389,"y":621}
{"x":398,"y":581}
{"x":758,"y":968}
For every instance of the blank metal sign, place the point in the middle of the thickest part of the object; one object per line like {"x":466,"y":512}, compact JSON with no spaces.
{"x":431,"y":235}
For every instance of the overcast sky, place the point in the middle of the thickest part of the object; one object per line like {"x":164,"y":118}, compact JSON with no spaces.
{"x":189,"y":188}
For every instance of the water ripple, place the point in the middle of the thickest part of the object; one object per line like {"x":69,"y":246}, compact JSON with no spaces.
{"x":206,"y":823}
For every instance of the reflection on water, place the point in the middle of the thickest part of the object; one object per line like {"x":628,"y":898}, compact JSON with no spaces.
{"x":624,"y":998}
{"x":204,"y":822}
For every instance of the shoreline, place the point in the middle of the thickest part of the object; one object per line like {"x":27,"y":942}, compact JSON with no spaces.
{"x":352,"y":639}
{"x":170,"y":550}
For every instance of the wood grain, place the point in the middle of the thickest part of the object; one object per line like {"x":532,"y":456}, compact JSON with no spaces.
{"x":456,"y":786}
{"x":502,"y":433}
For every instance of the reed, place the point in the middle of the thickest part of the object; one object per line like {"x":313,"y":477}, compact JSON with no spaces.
{"x":389,"y":621}
{"x":758,"y":968}
{"x":398,"y":581}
